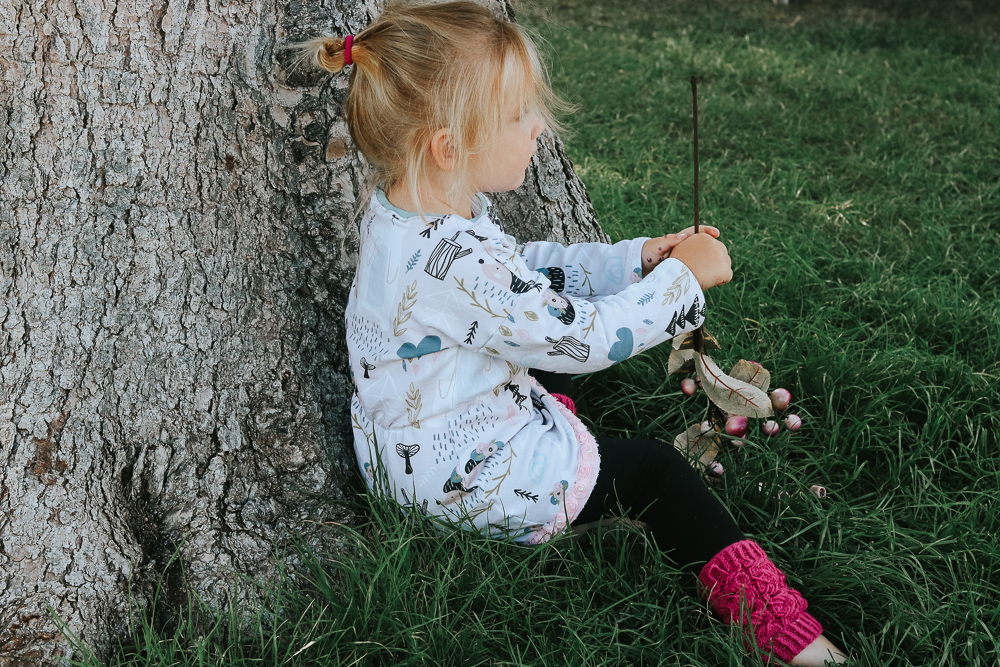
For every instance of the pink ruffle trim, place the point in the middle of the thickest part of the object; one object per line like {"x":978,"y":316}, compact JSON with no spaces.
{"x":588,"y":465}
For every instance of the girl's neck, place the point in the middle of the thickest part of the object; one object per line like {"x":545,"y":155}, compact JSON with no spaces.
{"x":433,"y":201}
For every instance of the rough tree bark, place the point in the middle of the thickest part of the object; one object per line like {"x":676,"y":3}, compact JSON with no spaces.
{"x":175,"y":252}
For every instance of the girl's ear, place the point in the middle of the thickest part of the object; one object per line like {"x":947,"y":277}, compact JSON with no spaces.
{"x":442,"y":150}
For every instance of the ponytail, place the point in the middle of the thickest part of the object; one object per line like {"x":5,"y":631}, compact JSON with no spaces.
{"x":328,"y":53}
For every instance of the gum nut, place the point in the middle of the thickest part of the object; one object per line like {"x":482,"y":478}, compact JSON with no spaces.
{"x":697,"y":380}
{"x":793,"y":422}
{"x":780,"y":398}
{"x":818,"y":491}
{"x":770,"y":427}
{"x":716,"y":469}
{"x":705,"y":426}
{"x":737,"y":443}
{"x":736,"y":425}
{"x":688,"y":387}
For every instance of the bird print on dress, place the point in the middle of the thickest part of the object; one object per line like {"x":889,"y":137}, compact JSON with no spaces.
{"x":501,"y":275}
{"x":559,"y":307}
{"x":558,"y":492}
{"x":483,"y":451}
{"x":556,"y":276}
{"x":454,"y":489}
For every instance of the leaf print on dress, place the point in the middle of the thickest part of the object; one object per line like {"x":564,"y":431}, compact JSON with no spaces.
{"x":622,"y":349}
{"x":413,"y":261}
{"x":527,"y":495}
{"x":413,"y":406}
{"x":481,"y":306}
{"x":472,"y":332}
{"x":445,"y":253}
{"x":403,"y":309}
{"x":586,"y":280}
{"x":427,"y":345}
{"x":679,"y":287}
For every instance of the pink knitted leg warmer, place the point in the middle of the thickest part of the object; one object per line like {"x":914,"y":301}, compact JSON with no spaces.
{"x":744,"y":585}
{"x":567,"y":401}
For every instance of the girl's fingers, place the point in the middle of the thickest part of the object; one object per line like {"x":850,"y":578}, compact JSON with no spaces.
{"x":669,"y":242}
{"x":702,"y":229}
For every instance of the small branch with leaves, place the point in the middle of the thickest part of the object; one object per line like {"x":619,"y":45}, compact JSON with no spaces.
{"x":533,"y":497}
{"x":403,"y":309}
{"x":734,"y":397}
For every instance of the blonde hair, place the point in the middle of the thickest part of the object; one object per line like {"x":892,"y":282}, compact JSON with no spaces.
{"x":422,"y":67}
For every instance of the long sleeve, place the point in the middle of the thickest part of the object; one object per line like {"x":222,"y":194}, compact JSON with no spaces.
{"x":586,"y":270}
{"x":490,"y":300}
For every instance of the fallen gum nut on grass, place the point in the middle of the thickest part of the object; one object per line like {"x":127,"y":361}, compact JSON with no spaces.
{"x":770,"y":427}
{"x":818,"y":491}
{"x":793,"y":422}
{"x":737,"y":425}
{"x":688,"y":386}
{"x":780,"y":398}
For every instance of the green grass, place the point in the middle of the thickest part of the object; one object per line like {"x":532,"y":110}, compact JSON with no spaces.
{"x":849,"y":153}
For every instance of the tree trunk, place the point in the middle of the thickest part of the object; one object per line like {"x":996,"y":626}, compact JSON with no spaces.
{"x":176,"y":247}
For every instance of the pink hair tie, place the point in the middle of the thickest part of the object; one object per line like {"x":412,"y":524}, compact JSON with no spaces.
{"x":347,"y":50}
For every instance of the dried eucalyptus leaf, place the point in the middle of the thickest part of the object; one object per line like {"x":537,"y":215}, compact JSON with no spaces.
{"x":685,"y":440}
{"x":683,"y":342}
{"x":753,"y":374}
{"x":680,"y":361}
{"x":711,"y":342}
{"x":700,"y":447}
{"x":686,"y":341}
{"x":731,"y":395}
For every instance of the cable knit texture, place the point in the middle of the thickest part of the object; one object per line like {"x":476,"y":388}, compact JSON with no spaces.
{"x":744,"y":585}
{"x":567,"y":401}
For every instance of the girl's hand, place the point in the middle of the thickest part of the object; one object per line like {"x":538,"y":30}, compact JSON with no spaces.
{"x":656,"y":250}
{"x":707,"y":258}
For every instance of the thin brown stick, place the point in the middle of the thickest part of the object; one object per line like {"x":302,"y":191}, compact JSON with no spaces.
{"x":694,"y":99}
{"x":699,"y":339}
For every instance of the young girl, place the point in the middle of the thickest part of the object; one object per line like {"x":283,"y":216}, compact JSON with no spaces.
{"x":447,"y":314}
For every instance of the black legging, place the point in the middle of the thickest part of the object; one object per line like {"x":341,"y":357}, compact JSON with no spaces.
{"x":650,"y":481}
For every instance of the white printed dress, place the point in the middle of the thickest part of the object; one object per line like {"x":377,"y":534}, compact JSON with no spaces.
{"x":444,"y":318}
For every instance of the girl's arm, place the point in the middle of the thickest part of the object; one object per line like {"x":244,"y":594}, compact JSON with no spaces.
{"x":594,"y":270}
{"x":587,"y":270}
{"x":477,"y":292}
